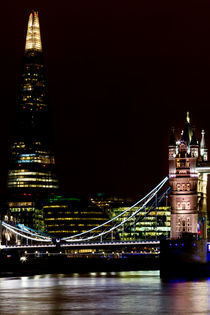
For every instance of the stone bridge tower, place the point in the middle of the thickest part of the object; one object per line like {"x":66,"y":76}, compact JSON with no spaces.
{"x":188,"y":171}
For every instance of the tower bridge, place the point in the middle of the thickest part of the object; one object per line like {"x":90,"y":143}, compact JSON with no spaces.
{"x":187,"y":191}
{"x":108,"y":231}
{"x":32,"y":175}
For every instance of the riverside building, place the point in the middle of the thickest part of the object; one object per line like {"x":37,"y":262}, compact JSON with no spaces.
{"x":154,"y":224}
{"x":67,"y":216}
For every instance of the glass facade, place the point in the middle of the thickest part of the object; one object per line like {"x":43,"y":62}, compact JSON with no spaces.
{"x":31,"y":174}
{"x":154,"y":225}
{"x":69,"y":216}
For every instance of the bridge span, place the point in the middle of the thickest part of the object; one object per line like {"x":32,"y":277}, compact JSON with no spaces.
{"x":84,"y":245}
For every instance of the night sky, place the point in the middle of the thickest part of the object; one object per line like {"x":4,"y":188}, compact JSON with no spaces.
{"x":120,"y":75}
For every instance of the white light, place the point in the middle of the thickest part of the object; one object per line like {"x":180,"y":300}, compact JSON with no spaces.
{"x":23,"y":258}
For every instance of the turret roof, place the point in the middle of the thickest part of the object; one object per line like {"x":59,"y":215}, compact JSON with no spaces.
{"x":187,"y":133}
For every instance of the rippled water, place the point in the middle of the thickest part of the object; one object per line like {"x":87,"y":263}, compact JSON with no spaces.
{"x":127,"y":293}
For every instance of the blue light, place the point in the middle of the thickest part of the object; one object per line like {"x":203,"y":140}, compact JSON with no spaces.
{"x":25,"y":161}
{"x":27,"y":155}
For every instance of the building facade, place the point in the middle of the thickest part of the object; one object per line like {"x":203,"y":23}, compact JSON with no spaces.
{"x":68,"y":216}
{"x":154,"y":224}
{"x":31,"y":174}
{"x":188,"y":184}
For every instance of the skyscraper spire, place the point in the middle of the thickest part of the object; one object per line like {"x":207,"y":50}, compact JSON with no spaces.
{"x":188,"y":117}
{"x":33,"y":37}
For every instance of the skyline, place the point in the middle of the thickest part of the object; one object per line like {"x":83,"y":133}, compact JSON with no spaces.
{"x":108,"y":150}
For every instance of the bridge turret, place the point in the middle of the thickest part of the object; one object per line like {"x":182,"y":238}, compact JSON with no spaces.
{"x":187,"y":133}
{"x":203,"y":148}
{"x":194,"y":146}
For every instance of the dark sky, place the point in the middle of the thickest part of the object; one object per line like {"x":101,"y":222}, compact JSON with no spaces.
{"x":120,"y":74}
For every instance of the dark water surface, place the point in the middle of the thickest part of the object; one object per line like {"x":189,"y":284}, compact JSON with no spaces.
{"x":140,"y":292}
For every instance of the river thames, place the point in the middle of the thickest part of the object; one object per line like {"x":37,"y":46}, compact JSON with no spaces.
{"x":139,"y":292}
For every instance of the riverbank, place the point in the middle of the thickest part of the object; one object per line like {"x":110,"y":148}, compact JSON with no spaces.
{"x":32,"y":265}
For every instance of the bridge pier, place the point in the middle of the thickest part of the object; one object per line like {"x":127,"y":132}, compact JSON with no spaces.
{"x":184,"y":259}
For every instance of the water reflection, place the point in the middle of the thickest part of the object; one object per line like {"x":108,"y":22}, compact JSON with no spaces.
{"x":139,"y":292}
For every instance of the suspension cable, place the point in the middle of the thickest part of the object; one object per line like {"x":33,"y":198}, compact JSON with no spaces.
{"x":122,"y":222}
{"x":27,"y":230}
{"x":127,"y":210}
{"x":24,"y":236}
{"x":21,"y":230}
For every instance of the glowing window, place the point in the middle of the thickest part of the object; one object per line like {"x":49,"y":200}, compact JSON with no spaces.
{"x":178,"y":187}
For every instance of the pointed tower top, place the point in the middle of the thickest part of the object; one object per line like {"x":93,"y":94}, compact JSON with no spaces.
{"x":188,"y":117}
{"x":33,"y":37}
{"x":172,"y":141}
{"x":203,"y":144}
{"x":193,"y":139}
{"x":187,"y":133}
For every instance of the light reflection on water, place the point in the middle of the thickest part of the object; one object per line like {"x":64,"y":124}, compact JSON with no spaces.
{"x":139,"y":292}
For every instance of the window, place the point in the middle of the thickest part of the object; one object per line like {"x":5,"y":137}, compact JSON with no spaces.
{"x":183,"y":206}
{"x":179,"y":205}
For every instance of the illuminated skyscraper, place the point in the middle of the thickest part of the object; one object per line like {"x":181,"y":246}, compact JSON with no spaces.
{"x":32,"y":165}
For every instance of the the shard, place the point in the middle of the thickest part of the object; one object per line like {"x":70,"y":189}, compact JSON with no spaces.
{"x":31,"y":176}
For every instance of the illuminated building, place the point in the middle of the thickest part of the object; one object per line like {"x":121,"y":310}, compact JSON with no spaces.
{"x":66,"y":216}
{"x":32,"y":165}
{"x":107,"y":202}
{"x":155,"y":225}
{"x":188,"y":169}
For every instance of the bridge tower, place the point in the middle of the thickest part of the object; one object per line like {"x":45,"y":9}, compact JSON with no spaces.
{"x":188,"y":170}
